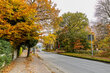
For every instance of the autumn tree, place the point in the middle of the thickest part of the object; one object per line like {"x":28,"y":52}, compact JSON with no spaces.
{"x":48,"y":17}
{"x":17,"y":21}
{"x":49,"y":40}
{"x":47,"y":13}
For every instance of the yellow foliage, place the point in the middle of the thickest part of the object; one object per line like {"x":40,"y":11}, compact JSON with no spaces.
{"x":17,"y":21}
{"x":50,"y":39}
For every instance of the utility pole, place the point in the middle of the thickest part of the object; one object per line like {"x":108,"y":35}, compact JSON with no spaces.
{"x":92,"y":44}
{"x":91,"y":38}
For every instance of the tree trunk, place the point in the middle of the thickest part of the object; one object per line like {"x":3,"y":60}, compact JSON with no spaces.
{"x":28,"y":54}
{"x":18,"y":49}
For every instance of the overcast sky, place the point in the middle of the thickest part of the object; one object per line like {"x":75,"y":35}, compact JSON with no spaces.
{"x":85,"y":6}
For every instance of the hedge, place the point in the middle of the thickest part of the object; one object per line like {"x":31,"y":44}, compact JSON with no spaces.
{"x":5,"y":53}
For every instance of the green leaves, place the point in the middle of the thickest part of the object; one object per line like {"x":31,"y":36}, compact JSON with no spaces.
{"x":5,"y":52}
{"x":73,"y":29}
{"x":75,"y":21}
{"x":31,"y":43}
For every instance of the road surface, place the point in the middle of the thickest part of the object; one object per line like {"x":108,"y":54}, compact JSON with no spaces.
{"x":67,"y":64}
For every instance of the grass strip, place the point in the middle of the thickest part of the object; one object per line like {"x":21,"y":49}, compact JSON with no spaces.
{"x":88,"y":57}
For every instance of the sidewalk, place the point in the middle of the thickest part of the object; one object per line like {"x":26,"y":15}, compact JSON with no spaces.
{"x":29,"y":65}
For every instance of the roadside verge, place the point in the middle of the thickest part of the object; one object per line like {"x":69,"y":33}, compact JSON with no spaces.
{"x":83,"y":56}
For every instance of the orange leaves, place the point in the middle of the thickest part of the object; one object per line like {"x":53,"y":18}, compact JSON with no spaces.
{"x":50,"y":39}
{"x":24,"y":10}
{"x":78,"y":45}
{"x":16,"y":10}
{"x":23,"y":31}
{"x":23,"y":27}
{"x":5,"y":8}
{"x":17,"y":21}
{"x":5,"y":29}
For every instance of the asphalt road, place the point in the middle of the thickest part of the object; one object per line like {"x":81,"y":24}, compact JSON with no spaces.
{"x":74,"y":65}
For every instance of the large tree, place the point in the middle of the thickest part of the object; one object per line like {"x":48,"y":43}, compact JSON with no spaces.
{"x":74,"y":23}
{"x":47,"y":14}
{"x":73,"y":29}
{"x":17,"y":21}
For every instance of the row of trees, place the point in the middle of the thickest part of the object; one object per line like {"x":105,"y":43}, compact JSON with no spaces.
{"x":74,"y":28}
{"x":21,"y":20}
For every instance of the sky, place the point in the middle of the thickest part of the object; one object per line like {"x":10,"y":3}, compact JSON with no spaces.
{"x":84,"y":6}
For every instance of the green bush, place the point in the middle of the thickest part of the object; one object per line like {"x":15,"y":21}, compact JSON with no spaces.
{"x":5,"y":52}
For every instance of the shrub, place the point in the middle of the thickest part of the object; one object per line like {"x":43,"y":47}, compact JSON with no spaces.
{"x":5,"y":52}
{"x":104,"y":54}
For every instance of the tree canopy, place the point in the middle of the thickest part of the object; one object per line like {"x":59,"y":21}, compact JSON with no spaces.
{"x":21,"y":20}
{"x":17,"y":21}
{"x":73,"y":33}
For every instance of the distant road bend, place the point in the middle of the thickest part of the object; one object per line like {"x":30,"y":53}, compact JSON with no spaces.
{"x":74,"y":65}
